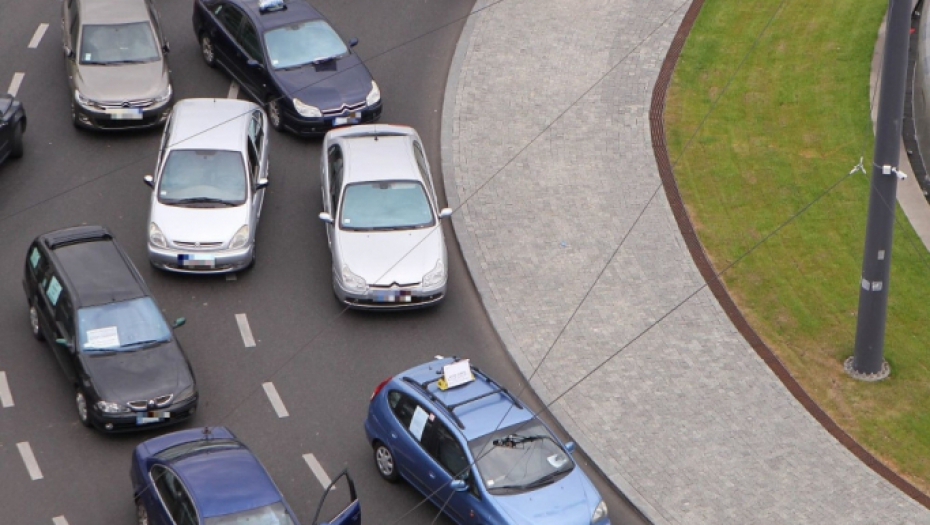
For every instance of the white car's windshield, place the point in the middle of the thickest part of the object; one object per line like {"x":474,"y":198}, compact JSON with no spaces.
{"x":203,"y":178}
{"x":303,"y":43}
{"x":274,"y":514}
{"x":118,"y":44}
{"x":519,"y":458}
{"x":123,"y":326}
{"x":385,"y":205}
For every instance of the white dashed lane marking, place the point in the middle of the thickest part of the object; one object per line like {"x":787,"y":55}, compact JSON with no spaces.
{"x":245,"y":330}
{"x":233,"y":90}
{"x":30,"y":460}
{"x":15,"y":83}
{"x":59,"y":520}
{"x":317,"y":470}
{"x":275,"y":399}
{"x":6,"y":397}
{"x":37,"y":37}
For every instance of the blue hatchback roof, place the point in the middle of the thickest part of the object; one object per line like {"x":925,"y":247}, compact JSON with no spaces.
{"x":226,"y":481}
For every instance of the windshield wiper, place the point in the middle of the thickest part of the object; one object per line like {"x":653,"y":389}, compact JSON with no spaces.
{"x":516,"y":439}
{"x":545,"y":480}
{"x":141,"y":343}
{"x":195,"y":200}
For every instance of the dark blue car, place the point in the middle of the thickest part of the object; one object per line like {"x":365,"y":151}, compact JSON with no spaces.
{"x":290,"y":60}
{"x":471,"y":447}
{"x":208,"y":477}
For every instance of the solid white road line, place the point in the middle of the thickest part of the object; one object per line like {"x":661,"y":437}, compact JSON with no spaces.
{"x":317,"y":470}
{"x":244,"y":329}
{"x":30,"y":460}
{"x":15,"y":83}
{"x":59,"y":520}
{"x":233,"y":90}
{"x":6,"y":398}
{"x":37,"y":37}
{"x":275,"y":399}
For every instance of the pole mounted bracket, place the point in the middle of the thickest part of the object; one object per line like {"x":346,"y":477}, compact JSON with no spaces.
{"x":888,"y":170}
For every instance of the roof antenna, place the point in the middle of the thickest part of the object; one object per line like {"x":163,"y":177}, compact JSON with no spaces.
{"x":207,"y":433}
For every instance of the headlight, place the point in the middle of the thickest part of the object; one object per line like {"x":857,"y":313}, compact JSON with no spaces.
{"x":600,"y":512}
{"x":306,"y":110}
{"x":353,"y":281}
{"x":185,"y":394}
{"x":156,"y":237}
{"x":435,"y":276}
{"x":240,"y":238}
{"x":374,"y":95}
{"x":111,"y":408}
{"x":164,"y":97}
{"x":82,"y":100}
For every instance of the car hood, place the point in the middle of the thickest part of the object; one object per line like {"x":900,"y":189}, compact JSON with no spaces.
{"x":387,"y":257}
{"x":142,"y":374}
{"x":569,"y":501}
{"x":122,"y":82}
{"x":327,"y":86}
{"x":180,"y":223}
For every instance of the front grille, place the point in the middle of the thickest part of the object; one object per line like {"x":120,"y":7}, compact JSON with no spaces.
{"x":138,"y":103}
{"x":333,"y":112}
{"x":158,"y":402}
{"x":198,"y":245}
{"x":392,"y":286}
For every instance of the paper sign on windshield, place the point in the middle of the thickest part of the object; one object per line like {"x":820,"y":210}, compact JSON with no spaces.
{"x":106,"y":337}
{"x":456,"y":374}
{"x":418,"y":423}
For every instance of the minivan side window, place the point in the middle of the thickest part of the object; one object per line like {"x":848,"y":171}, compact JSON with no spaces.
{"x":38,"y":265}
{"x":53,"y":290}
{"x":335,"y":174}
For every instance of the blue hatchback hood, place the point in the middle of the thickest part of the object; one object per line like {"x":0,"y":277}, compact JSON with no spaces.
{"x":569,"y":501}
{"x":341,"y":81}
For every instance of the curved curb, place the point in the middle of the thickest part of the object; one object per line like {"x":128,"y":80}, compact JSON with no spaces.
{"x":657,"y":131}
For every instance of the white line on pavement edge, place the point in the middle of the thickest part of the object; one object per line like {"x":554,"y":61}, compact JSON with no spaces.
{"x":275,"y":399}
{"x":317,"y":470}
{"x":15,"y":83}
{"x":233,"y":90}
{"x":37,"y":37}
{"x":30,"y":460}
{"x":59,"y":520}
{"x":244,"y":329}
{"x":6,"y":398}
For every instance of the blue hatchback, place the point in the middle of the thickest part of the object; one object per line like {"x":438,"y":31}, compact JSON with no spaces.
{"x":473,"y":448}
{"x":208,"y":477}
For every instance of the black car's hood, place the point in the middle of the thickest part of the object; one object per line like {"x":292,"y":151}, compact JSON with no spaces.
{"x":139,"y":375}
{"x":329,"y":85}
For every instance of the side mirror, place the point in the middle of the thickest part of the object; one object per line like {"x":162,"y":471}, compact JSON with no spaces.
{"x":261,"y":183}
{"x":570,"y":447}
{"x":165,"y":47}
{"x":325,"y":217}
{"x":353,"y":42}
{"x":69,"y":52}
{"x":254,"y":64}
{"x":445,"y":212}
{"x":458,"y":485}
{"x":150,"y":180}
{"x":180,"y":321}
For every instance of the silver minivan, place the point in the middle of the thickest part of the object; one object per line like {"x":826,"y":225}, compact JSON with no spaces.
{"x":209,"y":185}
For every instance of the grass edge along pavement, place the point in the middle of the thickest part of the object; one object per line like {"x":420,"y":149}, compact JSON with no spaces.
{"x":793,"y":121}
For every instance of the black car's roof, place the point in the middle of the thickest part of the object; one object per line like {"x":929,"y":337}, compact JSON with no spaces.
{"x":296,"y":11}
{"x":93,"y":265}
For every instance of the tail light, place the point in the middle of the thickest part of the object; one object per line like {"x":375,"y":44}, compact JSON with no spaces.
{"x":379,"y":387}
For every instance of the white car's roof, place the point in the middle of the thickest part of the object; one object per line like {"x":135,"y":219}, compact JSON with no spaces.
{"x":210,"y":124}
{"x":383,"y":158}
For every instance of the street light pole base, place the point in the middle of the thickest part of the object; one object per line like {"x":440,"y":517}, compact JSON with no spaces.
{"x":861,"y":376}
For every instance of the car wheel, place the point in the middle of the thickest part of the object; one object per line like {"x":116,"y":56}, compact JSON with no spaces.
{"x":17,"y":151}
{"x":384,"y":460}
{"x":207,"y":50}
{"x":80,"y":401}
{"x":34,"y":323}
{"x":274,"y":114}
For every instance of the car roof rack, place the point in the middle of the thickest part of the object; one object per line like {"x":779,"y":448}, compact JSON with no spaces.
{"x":423,"y":387}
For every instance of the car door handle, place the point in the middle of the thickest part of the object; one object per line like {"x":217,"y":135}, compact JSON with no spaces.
{"x":432,"y":476}
{"x":393,"y":435}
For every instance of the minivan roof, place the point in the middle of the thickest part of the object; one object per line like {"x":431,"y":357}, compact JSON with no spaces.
{"x":210,"y":124}
{"x":113,"y":11}
{"x":384,"y":157}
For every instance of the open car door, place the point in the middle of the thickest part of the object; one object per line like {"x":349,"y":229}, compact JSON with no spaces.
{"x":339,"y":501}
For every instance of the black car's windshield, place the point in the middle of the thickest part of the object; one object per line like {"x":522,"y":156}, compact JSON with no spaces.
{"x":519,"y":458}
{"x":203,"y":177}
{"x":303,"y":43}
{"x":118,"y":44}
{"x":385,"y":205}
{"x":123,"y":326}
{"x":274,"y":514}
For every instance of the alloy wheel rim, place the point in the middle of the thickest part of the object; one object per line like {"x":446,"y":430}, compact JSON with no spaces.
{"x":34,"y":320}
{"x":141,"y":514}
{"x":81,"y":406}
{"x":385,"y":461}
{"x":207,"y":48}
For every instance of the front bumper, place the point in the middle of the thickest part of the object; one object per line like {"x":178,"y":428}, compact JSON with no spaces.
{"x":201,"y":261}
{"x":318,"y":126}
{"x":131,"y":421}
{"x":101,"y":119}
{"x":403,"y":298}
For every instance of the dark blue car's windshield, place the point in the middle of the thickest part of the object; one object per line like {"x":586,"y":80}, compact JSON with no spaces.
{"x":126,"y":325}
{"x":519,"y":458}
{"x":385,"y":205}
{"x":274,"y":514}
{"x":302,"y":43}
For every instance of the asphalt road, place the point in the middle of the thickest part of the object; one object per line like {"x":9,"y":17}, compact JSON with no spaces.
{"x":323,"y":362}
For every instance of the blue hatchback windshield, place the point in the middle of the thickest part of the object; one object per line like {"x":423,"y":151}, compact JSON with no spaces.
{"x":125,"y":325}
{"x":519,"y":458}
{"x":274,"y":514}
{"x":118,"y":44}
{"x":385,"y":205}
{"x":303,"y":43}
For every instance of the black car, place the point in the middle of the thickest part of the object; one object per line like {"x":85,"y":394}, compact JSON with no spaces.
{"x":12,"y":127}
{"x":90,"y":303}
{"x":290,"y":60}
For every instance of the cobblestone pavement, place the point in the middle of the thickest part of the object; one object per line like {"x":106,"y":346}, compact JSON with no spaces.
{"x":684,"y":417}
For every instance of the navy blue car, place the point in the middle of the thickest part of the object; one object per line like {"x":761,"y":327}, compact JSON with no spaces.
{"x":290,"y":60}
{"x":208,"y":477}
{"x":12,"y":127}
{"x":470,"y":446}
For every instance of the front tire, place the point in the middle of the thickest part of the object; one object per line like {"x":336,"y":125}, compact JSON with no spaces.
{"x":34,"y":323}
{"x":142,"y":515}
{"x":80,"y":401}
{"x":17,"y":151}
{"x":207,"y":51}
{"x":384,"y":461}
{"x":274,"y":114}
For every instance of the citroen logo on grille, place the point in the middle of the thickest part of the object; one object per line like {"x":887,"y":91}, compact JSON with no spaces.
{"x":197,"y":244}
{"x":126,"y":104}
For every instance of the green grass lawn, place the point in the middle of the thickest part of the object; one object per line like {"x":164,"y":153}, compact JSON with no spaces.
{"x":792,"y":122}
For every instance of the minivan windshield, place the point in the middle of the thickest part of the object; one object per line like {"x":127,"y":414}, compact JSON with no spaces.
{"x":303,"y":43}
{"x":123,"y":326}
{"x":203,"y":178}
{"x":385,"y":205}
{"x":118,"y":44}
{"x":519,"y":458}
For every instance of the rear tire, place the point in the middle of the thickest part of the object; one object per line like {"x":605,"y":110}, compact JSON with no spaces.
{"x":384,"y":462}
{"x":17,"y":151}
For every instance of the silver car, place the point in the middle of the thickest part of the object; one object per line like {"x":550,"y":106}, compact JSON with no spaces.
{"x":209,"y":186}
{"x":382,"y":220}
{"x":115,"y":62}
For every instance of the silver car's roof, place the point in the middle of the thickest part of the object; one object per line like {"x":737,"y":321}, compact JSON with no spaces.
{"x":387,"y":157}
{"x":113,"y":11}
{"x":210,"y":123}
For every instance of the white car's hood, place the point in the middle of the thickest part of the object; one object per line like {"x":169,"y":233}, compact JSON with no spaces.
{"x":387,"y":257}
{"x":180,"y":223}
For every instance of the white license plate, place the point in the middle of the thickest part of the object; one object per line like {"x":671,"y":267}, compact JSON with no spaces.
{"x":152,"y":417}
{"x":393,"y":296}
{"x":197,"y":260}
{"x":125,"y":113}
{"x":352,"y":118}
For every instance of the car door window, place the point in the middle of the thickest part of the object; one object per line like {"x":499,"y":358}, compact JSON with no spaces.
{"x":53,"y":289}
{"x":230,"y":17}
{"x":38,"y":265}
{"x":174,"y":496}
{"x":254,"y":167}
{"x":64,"y":316}
{"x":250,"y":42}
{"x":74,"y":30}
{"x":416,"y":419}
{"x":335,"y":175}
{"x":422,"y":165}
{"x":445,"y":449}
